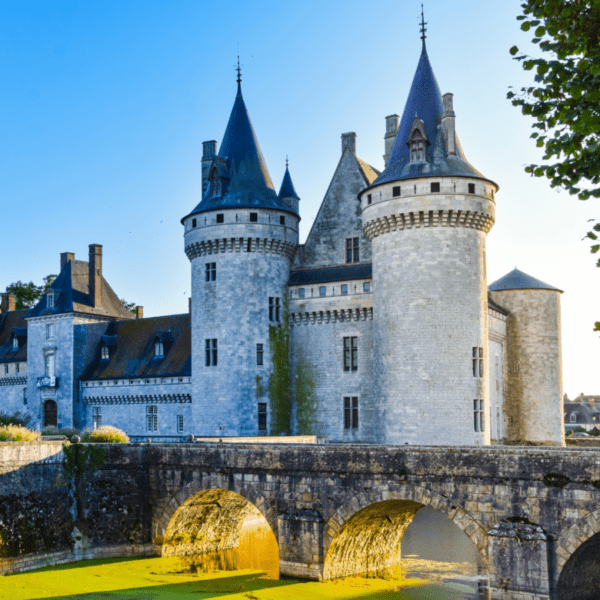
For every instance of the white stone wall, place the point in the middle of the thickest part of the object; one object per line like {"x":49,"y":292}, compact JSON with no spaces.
{"x":534,"y":392}
{"x":497,"y":368}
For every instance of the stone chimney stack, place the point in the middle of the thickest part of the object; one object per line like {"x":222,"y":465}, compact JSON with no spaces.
{"x":96,"y":275}
{"x":190,"y":305}
{"x":349,"y":141}
{"x":65,"y":257}
{"x":139,"y":312}
{"x":391,"y":129}
{"x":9,"y":303}
{"x":591,"y":402}
{"x":209,"y":151}
{"x":448,"y":125}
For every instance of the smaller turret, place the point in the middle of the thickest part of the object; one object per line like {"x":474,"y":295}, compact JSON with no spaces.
{"x":287,"y":193}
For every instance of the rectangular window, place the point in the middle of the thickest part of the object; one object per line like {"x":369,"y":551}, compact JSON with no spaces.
{"x":477,"y":362}
{"x":25,"y":396}
{"x":351,"y":412}
{"x":274,"y":309}
{"x":211,"y":353}
{"x":152,"y":418}
{"x":435,"y":188}
{"x":16,"y":367}
{"x":282,"y":220}
{"x":210,"y":274}
{"x":344,"y":289}
{"x":220,"y":218}
{"x":253,"y":217}
{"x":259,"y":354}
{"x":322,"y":290}
{"x":366,"y":286}
{"x":6,"y":369}
{"x":193,"y":223}
{"x":396,"y":191}
{"x":352,"y":250}
{"x":369,"y":199}
{"x":50,"y":300}
{"x":478,"y":416}
{"x":96,"y":417}
{"x":471,"y":188}
{"x":301,"y":293}
{"x":104,"y":353}
{"x":50,"y":331}
{"x":49,"y":365}
{"x":262,"y":416}
{"x":350,"y":354}
{"x":179,"y":423}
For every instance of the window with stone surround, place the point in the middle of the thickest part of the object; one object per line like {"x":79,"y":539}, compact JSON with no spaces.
{"x":344,"y":288}
{"x":366,"y":286}
{"x":350,"y":354}
{"x":253,"y":217}
{"x":152,"y":418}
{"x":323,"y":291}
{"x":274,"y":309}
{"x":179,"y":423}
{"x":50,"y":300}
{"x":477,"y":362}
{"x":50,"y":331}
{"x":211,"y":353}
{"x":49,"y":365}
{"x":478,"y":416}
{"x":435,"y":188}
{"x":301,"y":293}
{"x":262,"y":416}
{"x":259,"y":354}
{"x":396,"y":191}
{"x":210,"y":273}
{"x":220,"y":218}
{"x":96,"y":417}
{"x":350,"y":412}
{"x":471,"y":188}
{"x":352,"y":250}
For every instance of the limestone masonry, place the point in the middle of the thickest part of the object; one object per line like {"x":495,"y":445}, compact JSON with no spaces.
{"x":380,"y":328}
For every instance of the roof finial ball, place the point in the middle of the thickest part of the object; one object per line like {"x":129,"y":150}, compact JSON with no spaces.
{"x":423,"y":23}
{"x":239,"y":71}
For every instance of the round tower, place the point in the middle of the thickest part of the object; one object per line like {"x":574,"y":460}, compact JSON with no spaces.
{"x":534,"y":391}
{"x":240,"y":240}
{"x":427,"y":217}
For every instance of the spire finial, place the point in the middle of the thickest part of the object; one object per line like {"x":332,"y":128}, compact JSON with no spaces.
{"x":239,"y":71}
{"x":286,"y":161}
{"x":423,"y":23}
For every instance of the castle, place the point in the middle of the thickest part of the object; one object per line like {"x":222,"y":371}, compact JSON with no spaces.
{"x":380,"y":328}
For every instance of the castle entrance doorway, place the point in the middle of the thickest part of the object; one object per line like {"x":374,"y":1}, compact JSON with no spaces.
{"x":50,"y":414}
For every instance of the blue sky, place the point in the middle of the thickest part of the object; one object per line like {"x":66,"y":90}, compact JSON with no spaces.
{"x":104,"y":107}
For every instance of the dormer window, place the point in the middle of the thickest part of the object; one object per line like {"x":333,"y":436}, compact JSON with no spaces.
{"x":15,"y":343}
{"x":104,"y":353}
{"x":50,"y":300}
{"x":417,"y":141}
{"x":215,"y":183}
{"x":159,"y":349}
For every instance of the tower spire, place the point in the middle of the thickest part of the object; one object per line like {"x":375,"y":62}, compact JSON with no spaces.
{"x":239,"y":71}
{"x":423,"y":23}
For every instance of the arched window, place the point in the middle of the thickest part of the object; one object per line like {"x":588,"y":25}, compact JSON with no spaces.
{"x":417,"y":147}
{"x":50,"y":414}
{"x":215,"y":184}
{"x":573,"y":417}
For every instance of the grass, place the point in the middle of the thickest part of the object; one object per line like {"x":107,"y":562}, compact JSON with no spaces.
{"x":166,"y":579}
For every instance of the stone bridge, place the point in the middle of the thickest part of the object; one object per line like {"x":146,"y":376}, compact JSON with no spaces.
{"x":325,"y":511}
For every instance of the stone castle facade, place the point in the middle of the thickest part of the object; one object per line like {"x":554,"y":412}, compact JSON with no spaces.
{"x":379,"y":328}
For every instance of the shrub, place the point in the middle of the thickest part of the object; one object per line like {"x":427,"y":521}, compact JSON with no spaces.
{"x":105,"y":434}
{"x":16,"y":418}
{"x":17,"y":433}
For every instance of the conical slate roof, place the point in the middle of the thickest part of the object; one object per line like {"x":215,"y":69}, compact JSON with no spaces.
{"x":287,"y":187}
{"x":425,"y":102}
{"x":247,"y":183}
{"x":517,"y":280}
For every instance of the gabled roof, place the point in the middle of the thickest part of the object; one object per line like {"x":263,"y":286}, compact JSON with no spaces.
{"x":330,"y":274}
{"x":13,"y":322}
{"x":425,"y":103}
{"x":287,"y":187}
{"x":72,"y":289}
{"x":517,"y":280}
{"x":249,"y":183}
{"x":133,"y":354}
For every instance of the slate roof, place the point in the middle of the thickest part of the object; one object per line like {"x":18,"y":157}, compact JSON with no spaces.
{"x":287,"y":187}
{"x":133,"y":354}
{"x":585,"y":413}
{"x":72,"y":289}
{"x":328,"y":274}
{"x":425,"y":102}
{"x":13,"y":321}
{"x":248,"y":183}
{"x":517,"y":280}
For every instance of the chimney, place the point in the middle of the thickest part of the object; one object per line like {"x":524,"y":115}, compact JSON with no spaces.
{"x":391,"y":128}
{"x":349,"y":141}
{"x":9,"y":303}
{"x":591,"y":402}
{"x":190,"y":305}
{"x":96,"y":275}
{"x":65,"y":257}
{"x":448,"y":124}
{"x":139,"y":312}
{"x":209,"y":151}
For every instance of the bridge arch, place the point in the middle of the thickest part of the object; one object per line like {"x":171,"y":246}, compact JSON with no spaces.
{"x":389,"y":512}
{"x":578,"y":559}
{"x":223,"y":527}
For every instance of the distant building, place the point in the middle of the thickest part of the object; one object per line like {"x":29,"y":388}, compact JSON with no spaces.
{"x":394,"y":334}
{"x":583,"y":411}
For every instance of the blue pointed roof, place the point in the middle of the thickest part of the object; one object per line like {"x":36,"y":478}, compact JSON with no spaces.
{"x":246,"y":182}
{"x":425,"y":102}
{"x":287,"y":187}
{"x":517,"y":280}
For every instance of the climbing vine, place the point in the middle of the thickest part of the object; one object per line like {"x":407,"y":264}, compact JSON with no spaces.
{"x":280,"y":394}
{"x":304,"y":396}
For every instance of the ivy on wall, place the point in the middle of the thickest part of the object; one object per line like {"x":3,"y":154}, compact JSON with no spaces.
{"x":280,"y":393}
{"x":304,"y":396}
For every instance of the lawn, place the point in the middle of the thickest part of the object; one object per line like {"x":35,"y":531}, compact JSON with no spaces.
{"x":166,"y":579}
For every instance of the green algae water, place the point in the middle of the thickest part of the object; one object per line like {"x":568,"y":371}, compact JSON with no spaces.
{"x":169,"y":579}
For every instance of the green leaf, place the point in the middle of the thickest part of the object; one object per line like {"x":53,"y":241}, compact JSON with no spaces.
{"x":513,"y":50}
{"x":526,"y":26}
{"x":540,"y":31}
